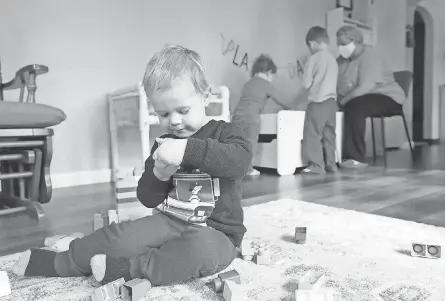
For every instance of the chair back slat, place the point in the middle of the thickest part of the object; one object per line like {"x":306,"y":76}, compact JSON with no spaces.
{"x":404,"y":79}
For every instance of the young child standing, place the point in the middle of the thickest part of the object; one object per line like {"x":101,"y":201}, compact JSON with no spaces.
{"x":162,"y":248}
{"x":253,"y":98}
{"x":320,"y":78}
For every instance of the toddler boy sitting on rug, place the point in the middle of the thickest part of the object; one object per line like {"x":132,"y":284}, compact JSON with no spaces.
{"x":162,"y":248}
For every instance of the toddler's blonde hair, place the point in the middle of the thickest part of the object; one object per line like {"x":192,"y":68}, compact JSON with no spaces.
{"x":173,"y":62}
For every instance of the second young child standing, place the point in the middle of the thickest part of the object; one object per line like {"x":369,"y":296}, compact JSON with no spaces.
{"x":320,"y":78}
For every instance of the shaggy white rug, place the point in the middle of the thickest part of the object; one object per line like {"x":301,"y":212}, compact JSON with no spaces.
{"x":364,"y":257}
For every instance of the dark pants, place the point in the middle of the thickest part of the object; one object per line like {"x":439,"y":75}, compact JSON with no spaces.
{"x":319,"y":139}
{"x":249,"y":124}
{"x":355,"y":114}
{"x":161,"y":249}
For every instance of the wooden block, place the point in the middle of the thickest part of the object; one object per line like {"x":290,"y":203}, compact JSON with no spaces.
{"x":315,"y":295}
{"x":132,"y":211}
{"x":5,"y":285}
{"x":112,"y":217}
{"x":263,"y":257}
{"x":300,"y":235}
{"x":247,"y":251}
{"x":98,"y":221}
{"x":426,"y":250}
{"x":108,"y":292}
{"x":135,"y":289}
{"x":311,"y":280}
{"x":219,"y":282}
{"x":50,"y":241}
{"x":233,"y":291}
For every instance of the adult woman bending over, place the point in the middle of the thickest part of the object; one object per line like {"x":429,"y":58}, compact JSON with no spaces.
{"x":366,"y":87}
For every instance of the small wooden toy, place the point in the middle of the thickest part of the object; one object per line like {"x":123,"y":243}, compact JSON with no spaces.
{"x":233,"y":291}
{"x":128,"y":207}
{"x":219,"y":282}
{"x":5,"y":286}
{"x":108,"y":292}
{"x":315,"y":295}
{"x":112,"y":217}
{"x":426,"y":250}
{"x":263,"y":257}
{"x":135,"y":289}
{"x":99,"y":220}
{"x":300,"y":235}
{"x":61,"y":242}
{"x":311,"y":280}
{"x":248,"y":251}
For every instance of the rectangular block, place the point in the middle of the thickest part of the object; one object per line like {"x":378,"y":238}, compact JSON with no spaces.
{"x":426,"y":250}
{"x":300,"y":235}
{"x":219,"y":282}
{"x":311,"y":280}
{"x":5,"y":285}
{"x":108,"y":292}
{"x":233,"y":291}
{"x":99,"y":220}
{"x":132,"y":211}
{"x":263,"y":257}
{"x":135,"y":289}
{"x":315,"y":295}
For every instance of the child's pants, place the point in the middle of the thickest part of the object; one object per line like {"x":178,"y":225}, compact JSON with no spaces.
{"x":319,"y":137}
{"x":249,"y":124}
{"x":161,"y":249}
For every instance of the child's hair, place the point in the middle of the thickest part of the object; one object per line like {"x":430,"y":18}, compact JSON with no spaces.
{"x":263,"y":64}
{"x":170,"y":63}
{"x":317,"y":34}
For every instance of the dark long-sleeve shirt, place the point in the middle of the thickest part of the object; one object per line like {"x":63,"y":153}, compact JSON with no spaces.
{"x":254,"y":96}
{"x":220,"y":150}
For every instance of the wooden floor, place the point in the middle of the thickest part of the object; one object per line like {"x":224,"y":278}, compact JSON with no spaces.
{"x":406,"y":190}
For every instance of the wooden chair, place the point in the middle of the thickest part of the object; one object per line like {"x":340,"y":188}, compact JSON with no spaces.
{"x":404,"y":79}
{"x":25,"y":146}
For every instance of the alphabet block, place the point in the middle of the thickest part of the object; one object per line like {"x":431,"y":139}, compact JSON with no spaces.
{"x":315,"y":295}
{"x":233,"y":291}
{"x":263,"y":257}
{"x":311,"y":280}
{"x":108,"y":292}
{"x":248,"y":251}
{"x":426,"y":250}
{"x":135,"y":289}
{"x":219,"y":282}
{"x":5,"y":286}
{"x":300,"y":235}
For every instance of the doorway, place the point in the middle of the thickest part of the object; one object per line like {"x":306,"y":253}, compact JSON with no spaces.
{"x":418,"y":77}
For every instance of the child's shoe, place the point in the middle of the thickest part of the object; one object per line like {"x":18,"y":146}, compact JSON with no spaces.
{"x":253,"y":172}
{"x":313,"y":169}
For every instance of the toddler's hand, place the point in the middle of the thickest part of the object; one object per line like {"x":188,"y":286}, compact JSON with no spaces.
{"x":170,"y":151}
{"x":163,"y":172}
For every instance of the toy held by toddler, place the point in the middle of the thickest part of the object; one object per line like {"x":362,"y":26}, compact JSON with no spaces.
{"x":253,"y":98}
{"x":165,"y":248}
{"x":320,"y":79}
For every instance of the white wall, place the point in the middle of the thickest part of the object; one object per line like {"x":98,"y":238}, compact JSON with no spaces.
{"x":92,"y":47}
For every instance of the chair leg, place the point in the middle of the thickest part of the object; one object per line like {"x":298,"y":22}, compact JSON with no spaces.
{"x":407,"y":134}
{"x":383,"y":137}
{"x":46,"y":189}
{"x":373,"y":140}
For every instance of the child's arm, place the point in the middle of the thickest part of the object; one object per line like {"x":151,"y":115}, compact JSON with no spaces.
{"x":151,"y":191}
{"x":309,"y":73}
{"x":228,"y":157}
{"x":275,"y":95}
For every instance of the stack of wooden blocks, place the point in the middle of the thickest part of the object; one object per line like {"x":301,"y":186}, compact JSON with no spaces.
{"x":128,"y":207}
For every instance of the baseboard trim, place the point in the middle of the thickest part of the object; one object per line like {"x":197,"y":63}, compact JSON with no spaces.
{"x":87,"y":177}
